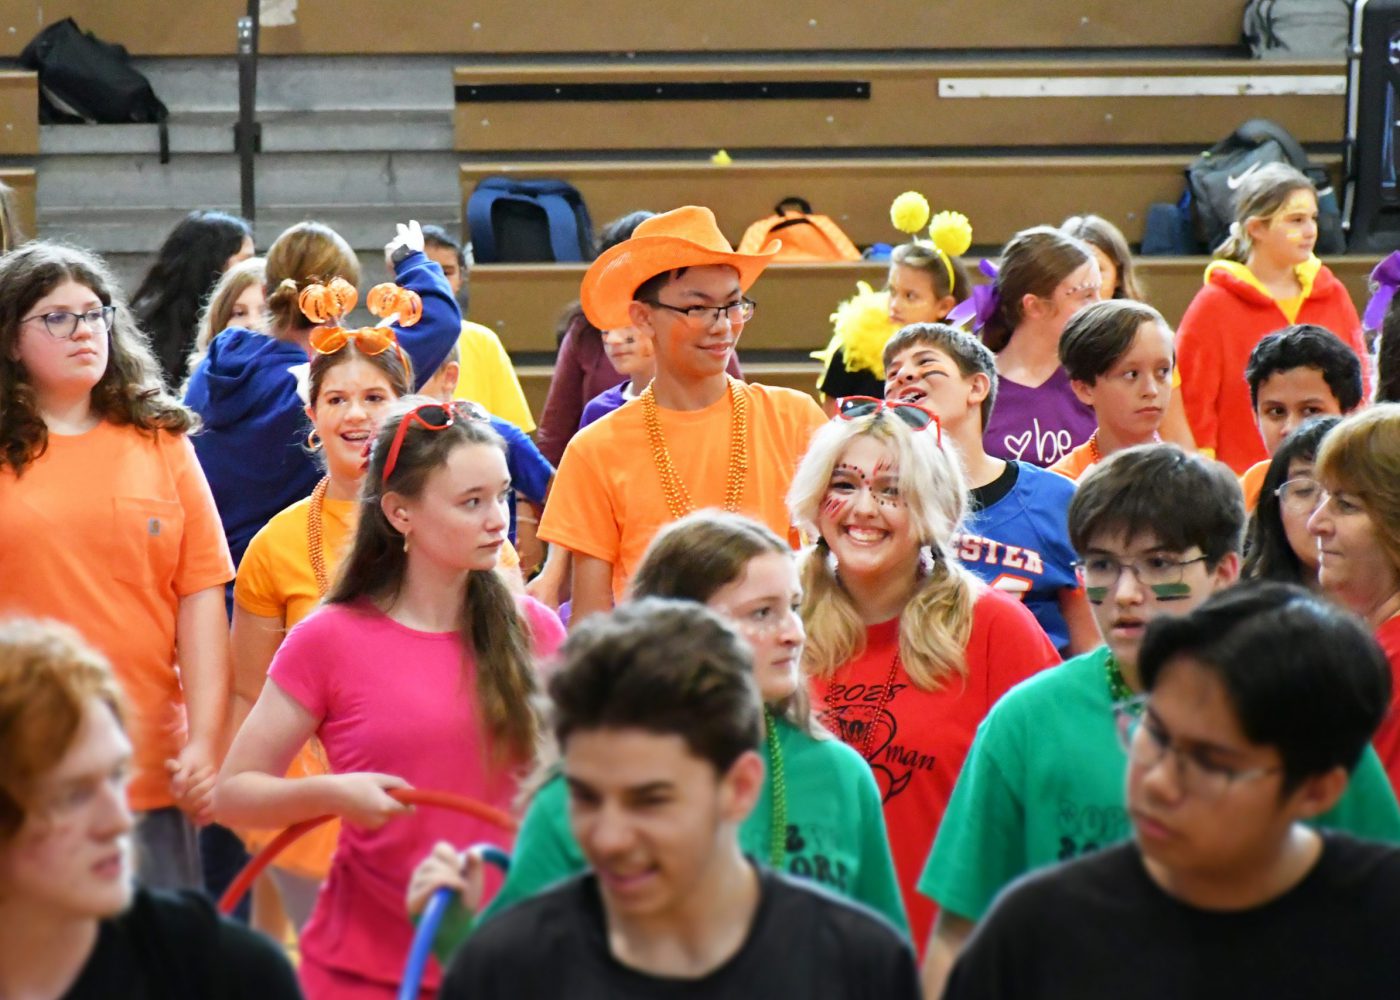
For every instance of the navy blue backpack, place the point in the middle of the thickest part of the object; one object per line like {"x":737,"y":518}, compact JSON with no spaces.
{"x":518,"y":221}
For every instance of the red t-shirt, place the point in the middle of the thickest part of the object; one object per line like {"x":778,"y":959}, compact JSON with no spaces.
{"x":921,"y":737}
{"x":1387,"y":738}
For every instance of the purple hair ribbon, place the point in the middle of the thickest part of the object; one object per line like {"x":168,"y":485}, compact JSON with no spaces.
{"x":981,"y":305}
{"x":1385,"y":279}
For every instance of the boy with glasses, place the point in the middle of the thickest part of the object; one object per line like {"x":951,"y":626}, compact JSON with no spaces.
{"x":696,"y":437}
{"x":659,"y":723}
{"x":1158,"y":532}
{"x":1259,"y":702}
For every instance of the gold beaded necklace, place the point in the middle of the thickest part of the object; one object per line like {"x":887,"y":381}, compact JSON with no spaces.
{"x":678,"y":500}
{"x":315,"y":535}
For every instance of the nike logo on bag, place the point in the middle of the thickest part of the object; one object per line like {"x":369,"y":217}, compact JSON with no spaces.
{"x":1237,"y":180}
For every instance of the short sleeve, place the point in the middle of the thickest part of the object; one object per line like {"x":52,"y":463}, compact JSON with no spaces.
{"x":580,"y":514}
{"x":530,"y":471}
{"x":204,"y":555}
{"x":546,"y":630}
{"x":980,"y":846}
{"x":255,"y":588}
{"x":301,"y":665}
{"x":1014,"y":644}
{"x":877,"y":885}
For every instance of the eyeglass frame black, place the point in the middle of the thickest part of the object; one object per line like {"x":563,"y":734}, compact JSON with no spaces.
{"x":694,"y":312}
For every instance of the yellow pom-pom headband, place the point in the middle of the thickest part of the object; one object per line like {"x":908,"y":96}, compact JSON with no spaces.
{"x":949,"y":232}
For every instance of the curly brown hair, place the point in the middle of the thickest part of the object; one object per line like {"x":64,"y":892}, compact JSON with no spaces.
{"x":130,"y":391}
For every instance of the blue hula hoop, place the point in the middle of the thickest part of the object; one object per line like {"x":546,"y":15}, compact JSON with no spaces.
{"x":428,"y":924}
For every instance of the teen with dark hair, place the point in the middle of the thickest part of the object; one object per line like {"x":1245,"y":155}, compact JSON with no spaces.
{"x":188,"y":264}
{"x":1013,"y":535}
{"x":1278,"y":546}
{"x":1259,"y":703}
{"x":1158,"y":532}
{"x":1266,"y":278}
{"x":1119,"y":358}
{"x":416,"y":593}
{"x":1045,"y":278}
{"x":106,"y":522}
{"x":818,"y":816}
{"x":659,"y":721}
{"x":1388,"y":357}
{"x":71,"y":923}
{"x":1294,"y":375}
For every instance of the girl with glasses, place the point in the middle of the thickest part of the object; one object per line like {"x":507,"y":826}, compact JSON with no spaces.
{"x":900,"y":637}
{"x":106,"y":523}
{"x":1278,"y":546}
{"x":418,"y":671}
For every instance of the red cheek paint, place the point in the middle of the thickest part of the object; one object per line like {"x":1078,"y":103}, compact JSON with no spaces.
{"x":834,"y":506}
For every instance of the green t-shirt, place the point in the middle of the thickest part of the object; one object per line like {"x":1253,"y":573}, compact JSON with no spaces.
{"x":1044,"y":782}
{"x":835,"y":833}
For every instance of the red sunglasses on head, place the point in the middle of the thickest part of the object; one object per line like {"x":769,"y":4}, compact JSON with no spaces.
{"x":430,"y":417}
{"x":917,"y":417}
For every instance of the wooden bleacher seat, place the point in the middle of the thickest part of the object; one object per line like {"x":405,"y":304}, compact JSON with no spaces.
{"x":522,"y":302}
{"x":355,"y":27}
{"x":917,"y":103}
{"x":19,"y":113}
{"x":1000,"y":195}
{"x":25,"y":184}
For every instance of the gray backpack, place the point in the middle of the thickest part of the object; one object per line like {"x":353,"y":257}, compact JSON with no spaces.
{"x":1292,"y":29}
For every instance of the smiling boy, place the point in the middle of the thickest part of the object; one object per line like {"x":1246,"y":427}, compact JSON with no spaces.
{"x":659,"y":721}
{"x":1259,"y":702}
{"x":695,"y":437}
{"x":1158,"y":532}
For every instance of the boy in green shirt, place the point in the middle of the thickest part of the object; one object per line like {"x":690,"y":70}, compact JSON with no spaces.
{"x":1158,"y":531}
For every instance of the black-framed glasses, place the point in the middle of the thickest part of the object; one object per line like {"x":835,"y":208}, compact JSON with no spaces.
{"x":1147,"y":744}
{"x":62,"y":325}
{"x":1302,"y":495}
{"x":736,"y":312}
{"x":1101,"y":571}
{"x":919,"y":418}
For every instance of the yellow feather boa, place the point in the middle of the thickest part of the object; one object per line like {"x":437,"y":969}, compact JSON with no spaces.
{"x":861,"y":328}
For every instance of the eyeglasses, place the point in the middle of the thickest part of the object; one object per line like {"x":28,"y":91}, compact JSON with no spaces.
{"x":1301,"y":496}
{"x":1148,"y":744}
{"x":62,"y":325}
{"x":918,"y":417}
{"x":430,"y":417}
{"x":1161,"y":574}
{"x":736,"y":312}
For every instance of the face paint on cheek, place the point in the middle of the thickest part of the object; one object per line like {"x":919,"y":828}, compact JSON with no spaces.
{"x":1096,"y":595}
{"x":1171,"y":591}
{"x":835,"y":505}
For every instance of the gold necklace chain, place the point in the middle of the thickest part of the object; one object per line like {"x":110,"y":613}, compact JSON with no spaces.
{"x":678,"y":500}
{"x":315,"y":535}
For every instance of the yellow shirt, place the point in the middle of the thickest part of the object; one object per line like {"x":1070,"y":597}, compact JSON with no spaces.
{"x":486,"y":376}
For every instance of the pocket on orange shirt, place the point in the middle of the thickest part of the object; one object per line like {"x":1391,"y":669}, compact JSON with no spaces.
{"x":146,"y":540}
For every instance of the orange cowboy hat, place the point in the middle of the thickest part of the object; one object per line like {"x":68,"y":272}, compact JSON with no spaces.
{"x":685,"y":237}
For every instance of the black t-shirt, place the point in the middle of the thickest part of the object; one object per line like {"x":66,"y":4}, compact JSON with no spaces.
{"x":837,"y":382}
{"x":998,"y":489}
{"x":1100,"y":927}
{"x":174,"y":946}
{"x":803,"y":943}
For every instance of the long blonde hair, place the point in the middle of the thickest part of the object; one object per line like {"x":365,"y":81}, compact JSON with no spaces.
{"x":218,"y":308}
{"x":936,"y":623}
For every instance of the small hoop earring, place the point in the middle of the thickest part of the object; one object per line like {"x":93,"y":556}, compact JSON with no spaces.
{"x":313,"y":440}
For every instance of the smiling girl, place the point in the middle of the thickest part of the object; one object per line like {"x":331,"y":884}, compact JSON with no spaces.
{"x":1265,"y":277}
{"x":906,"y":649}
{"x":418,"y":671}
{"x":107,"y":523}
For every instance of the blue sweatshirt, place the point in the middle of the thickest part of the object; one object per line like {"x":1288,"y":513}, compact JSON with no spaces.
{"x":253,"y":442}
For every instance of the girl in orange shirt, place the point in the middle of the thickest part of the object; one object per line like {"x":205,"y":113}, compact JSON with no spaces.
{"x":107,"y":523}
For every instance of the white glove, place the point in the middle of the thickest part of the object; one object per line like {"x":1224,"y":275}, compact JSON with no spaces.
{"x":408,"y":240}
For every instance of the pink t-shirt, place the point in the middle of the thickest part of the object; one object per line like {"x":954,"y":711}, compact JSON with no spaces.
{"x":396,"y":701}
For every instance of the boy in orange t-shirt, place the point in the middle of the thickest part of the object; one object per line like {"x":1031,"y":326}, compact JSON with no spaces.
{"x":695,"y":437}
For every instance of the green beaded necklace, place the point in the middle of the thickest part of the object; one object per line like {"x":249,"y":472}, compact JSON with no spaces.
{"x":1118,"y":690}
{"x":777,"y":850}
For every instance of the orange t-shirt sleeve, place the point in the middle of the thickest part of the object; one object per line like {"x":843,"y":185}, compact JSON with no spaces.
{"x":581,"y":515}
{"x":204,"y":557}
{"x":255,"y":589}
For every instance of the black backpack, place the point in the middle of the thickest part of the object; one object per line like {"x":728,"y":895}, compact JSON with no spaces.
{"x":84,"y":79}
{"x":1213,"y":178}
{"x":516,"y":221}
